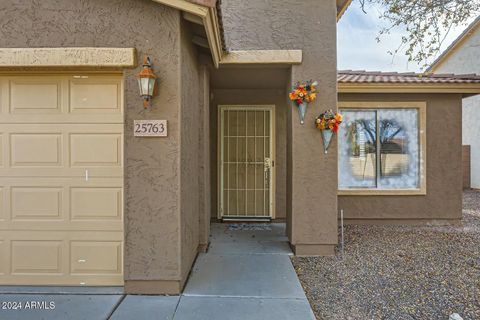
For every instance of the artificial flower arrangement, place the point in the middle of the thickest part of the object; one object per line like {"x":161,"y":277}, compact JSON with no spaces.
{"x":302,"y":94}
{"x":328,"y":123}
{"x":329,"y":120}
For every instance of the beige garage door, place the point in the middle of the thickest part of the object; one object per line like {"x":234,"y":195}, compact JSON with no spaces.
{"x":61,"y":179}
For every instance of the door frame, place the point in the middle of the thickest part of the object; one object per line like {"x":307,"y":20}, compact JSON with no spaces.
{"x":220,"y":131}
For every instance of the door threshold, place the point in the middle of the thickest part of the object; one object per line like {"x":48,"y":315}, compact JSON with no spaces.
{"x":246,"y":219}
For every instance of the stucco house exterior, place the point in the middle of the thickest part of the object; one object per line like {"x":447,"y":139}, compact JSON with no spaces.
{"x":461,"y":57}
{"x":85,"y":200}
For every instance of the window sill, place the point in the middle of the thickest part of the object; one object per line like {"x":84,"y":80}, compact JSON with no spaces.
{"x":376,"y":192}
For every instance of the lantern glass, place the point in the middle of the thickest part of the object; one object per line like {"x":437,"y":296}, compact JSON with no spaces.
{"x":151,"y":86}
{"x":143,"y":86}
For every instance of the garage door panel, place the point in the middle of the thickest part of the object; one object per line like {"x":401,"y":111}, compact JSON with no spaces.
{"x":63,"y":280}
{"x":3,"y":204}
{"x":96,"y":203}
{"x":62,"y":225}
{"x":62,"y":204}
{"x":96,"y":257}
{"x":2,"y":153}
{"x":71,"y":118}
{"x":61,"y":179}
{"x":67,"y":94}
{"x":93,"y":150}
{"x":62,"y":128}
{"x":95,"y":96}
{"x":53,"y":258}
{"x":36,"y":95}
{"x":36,"y":150}
{"x":79,"y":172}
{"x":42,"y":150}
{"x":5,"y":254}
{"x":36,"y":257}
{"x":113,"y":182}
{"x":36,"y":203}
{"x":64,"y":236}
{"x":75,"y":98}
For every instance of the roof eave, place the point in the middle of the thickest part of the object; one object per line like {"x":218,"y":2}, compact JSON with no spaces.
{"x":463,"y":88}
{"x":209,"y":18}
{"x":342,"y":6}
{"x":207,"y":12}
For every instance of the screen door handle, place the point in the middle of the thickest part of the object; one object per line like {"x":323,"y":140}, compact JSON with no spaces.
{"x":267,"y":164}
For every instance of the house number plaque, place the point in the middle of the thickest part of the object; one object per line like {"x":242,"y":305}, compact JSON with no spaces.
{"x":150,"y":128}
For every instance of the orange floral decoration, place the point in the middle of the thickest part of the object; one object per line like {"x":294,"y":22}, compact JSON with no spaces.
{"x":306,"y":92}
{"x":329,"y":120}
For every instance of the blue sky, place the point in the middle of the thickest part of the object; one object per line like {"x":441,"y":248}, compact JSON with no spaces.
{"x":358,"y":49}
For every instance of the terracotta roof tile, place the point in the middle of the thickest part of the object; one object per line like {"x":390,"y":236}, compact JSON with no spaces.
{"x":361,"y":76}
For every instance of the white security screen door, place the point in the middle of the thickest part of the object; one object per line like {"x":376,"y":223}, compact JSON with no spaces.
{"x":246,"y":162}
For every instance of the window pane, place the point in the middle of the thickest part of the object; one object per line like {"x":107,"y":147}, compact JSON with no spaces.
{"x":399,"y":151}
{"x":357,"y":149}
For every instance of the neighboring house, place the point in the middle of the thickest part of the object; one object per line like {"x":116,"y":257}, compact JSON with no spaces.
{"x":461,"y":57}
{"x":86,"y":202}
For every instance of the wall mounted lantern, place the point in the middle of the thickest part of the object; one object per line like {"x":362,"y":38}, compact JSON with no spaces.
{"x":146,"y":82}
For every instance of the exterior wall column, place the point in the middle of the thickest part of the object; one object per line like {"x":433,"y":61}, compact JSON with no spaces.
{"x":152,"y":261}
{"x":312,"y":174}
{"x":204,"y":159}
{"x":162,"y":183}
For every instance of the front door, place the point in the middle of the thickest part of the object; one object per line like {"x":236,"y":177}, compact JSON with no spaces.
{"x":246,"y":162}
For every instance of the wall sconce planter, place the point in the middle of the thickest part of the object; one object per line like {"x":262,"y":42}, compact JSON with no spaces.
{"x":302,"y":95}
{"x":328,"y":123}
{"x":147,"y":82}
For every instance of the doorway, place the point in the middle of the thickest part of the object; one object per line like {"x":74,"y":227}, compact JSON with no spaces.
{"x":247,"y":162}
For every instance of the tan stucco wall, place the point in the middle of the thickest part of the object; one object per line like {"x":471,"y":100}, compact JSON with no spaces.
{"x":152,"y":165}
{"x":308,"y":25}
{"x":444,"y":167}
{"x":314,"y":173}
{"x":190,"y":151}
{"x":205,"y":209}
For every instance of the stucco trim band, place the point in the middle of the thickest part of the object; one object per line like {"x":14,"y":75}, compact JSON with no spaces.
{"x":262,"y":57}
{"x":67,"y":57}
{"x":464,"y":88}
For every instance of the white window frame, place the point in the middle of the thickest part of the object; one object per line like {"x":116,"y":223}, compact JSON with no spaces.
{"x":421,"y":106}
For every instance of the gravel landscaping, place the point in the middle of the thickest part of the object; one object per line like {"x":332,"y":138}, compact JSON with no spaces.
{"x":400,"y":272}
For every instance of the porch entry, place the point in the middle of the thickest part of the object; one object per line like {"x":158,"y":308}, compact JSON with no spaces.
{"x":246,"y":158}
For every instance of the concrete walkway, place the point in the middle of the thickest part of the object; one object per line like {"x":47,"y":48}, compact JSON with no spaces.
{"x":246,"y":275}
